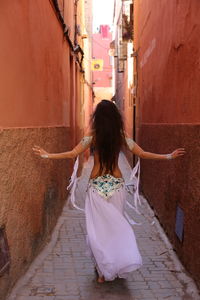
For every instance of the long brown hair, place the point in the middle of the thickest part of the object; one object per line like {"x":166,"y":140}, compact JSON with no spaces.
{"x":108,"y":128}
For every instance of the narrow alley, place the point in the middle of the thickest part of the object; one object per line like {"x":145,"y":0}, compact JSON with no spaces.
{"x":59,"y":59}
{"x":64,"y":272}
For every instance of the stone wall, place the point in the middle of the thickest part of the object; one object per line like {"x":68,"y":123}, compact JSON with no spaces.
{"x":166,"y":40}
{"x":168,"y":184}
{"x":33,"y":192}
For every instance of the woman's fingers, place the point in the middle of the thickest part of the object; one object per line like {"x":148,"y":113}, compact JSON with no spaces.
{"x":181,"y":152}
{"x":38,"y":150}
{"x":37,"y":147}
{"x":178,"y":152}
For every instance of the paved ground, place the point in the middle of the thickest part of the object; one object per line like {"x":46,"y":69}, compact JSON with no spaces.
{"x":63,"y":272}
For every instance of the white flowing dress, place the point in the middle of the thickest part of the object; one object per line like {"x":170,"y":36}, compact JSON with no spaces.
{"x":110,"y":238}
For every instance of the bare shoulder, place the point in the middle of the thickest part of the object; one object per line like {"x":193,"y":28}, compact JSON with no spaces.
{"x":129,"y":141}
{"x":87,"y":139}
{"x":89,"y":133}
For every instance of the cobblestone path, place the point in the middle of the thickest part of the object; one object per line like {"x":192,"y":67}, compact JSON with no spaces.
{"x":63,"y":271}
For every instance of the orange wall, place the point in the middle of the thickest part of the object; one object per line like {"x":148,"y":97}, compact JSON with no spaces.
{"x":34,"y":84}
{"x":168,"y":115}
{"x":168,"y":60}
{"x":69,"y":16}
{"x":41,"y":90}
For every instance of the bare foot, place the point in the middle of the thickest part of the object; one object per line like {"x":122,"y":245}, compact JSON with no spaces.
{"x":100,"y":279}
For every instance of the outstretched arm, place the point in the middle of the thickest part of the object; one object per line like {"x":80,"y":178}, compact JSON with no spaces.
{"x":81,"y":147}
{"x":137,"y":150}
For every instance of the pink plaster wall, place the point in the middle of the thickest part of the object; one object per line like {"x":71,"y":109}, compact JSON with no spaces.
{"x":33,"y":192}
{"x":100,"y":50}
{"x":40,"y":91}
{"x":34,"y":59}
{"x":167,"y":36}
{"x":168,"y":113}
{"x":128,"y":112}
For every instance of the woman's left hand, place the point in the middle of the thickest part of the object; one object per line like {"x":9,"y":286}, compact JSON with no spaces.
{"x":178,"y":152}
{"x":39,"y":151}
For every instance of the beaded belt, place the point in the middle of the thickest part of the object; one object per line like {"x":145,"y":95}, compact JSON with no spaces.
{"x":106,"y":185}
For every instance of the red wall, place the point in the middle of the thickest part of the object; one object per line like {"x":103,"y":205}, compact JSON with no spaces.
{"x":34,"y":57}
{"x":169,"y":66}
{"x":168,"y":113}
{"x":40,"y":94}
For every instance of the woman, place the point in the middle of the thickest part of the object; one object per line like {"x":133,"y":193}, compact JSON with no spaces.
{"x":110,"y":237}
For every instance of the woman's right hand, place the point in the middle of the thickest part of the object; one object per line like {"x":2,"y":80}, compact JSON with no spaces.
{"x":39,"y":151}
{"x":178,"y":152}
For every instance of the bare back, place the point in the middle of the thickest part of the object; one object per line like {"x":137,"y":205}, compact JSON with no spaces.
{"x":88,"y":141}
{"x":95,"y":171}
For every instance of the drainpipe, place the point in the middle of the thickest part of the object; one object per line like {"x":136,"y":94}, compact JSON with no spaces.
{"x":75,"y":19}
{"x":74,"y":47}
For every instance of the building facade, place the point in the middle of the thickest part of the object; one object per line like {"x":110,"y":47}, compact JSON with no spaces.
{"x":102,"y":64}
{"x":166,"y":41}
{"x":42,"y":88}
{"x":123,"y":73}
{"x":161,"y":109}
{"x":89,"y":93}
